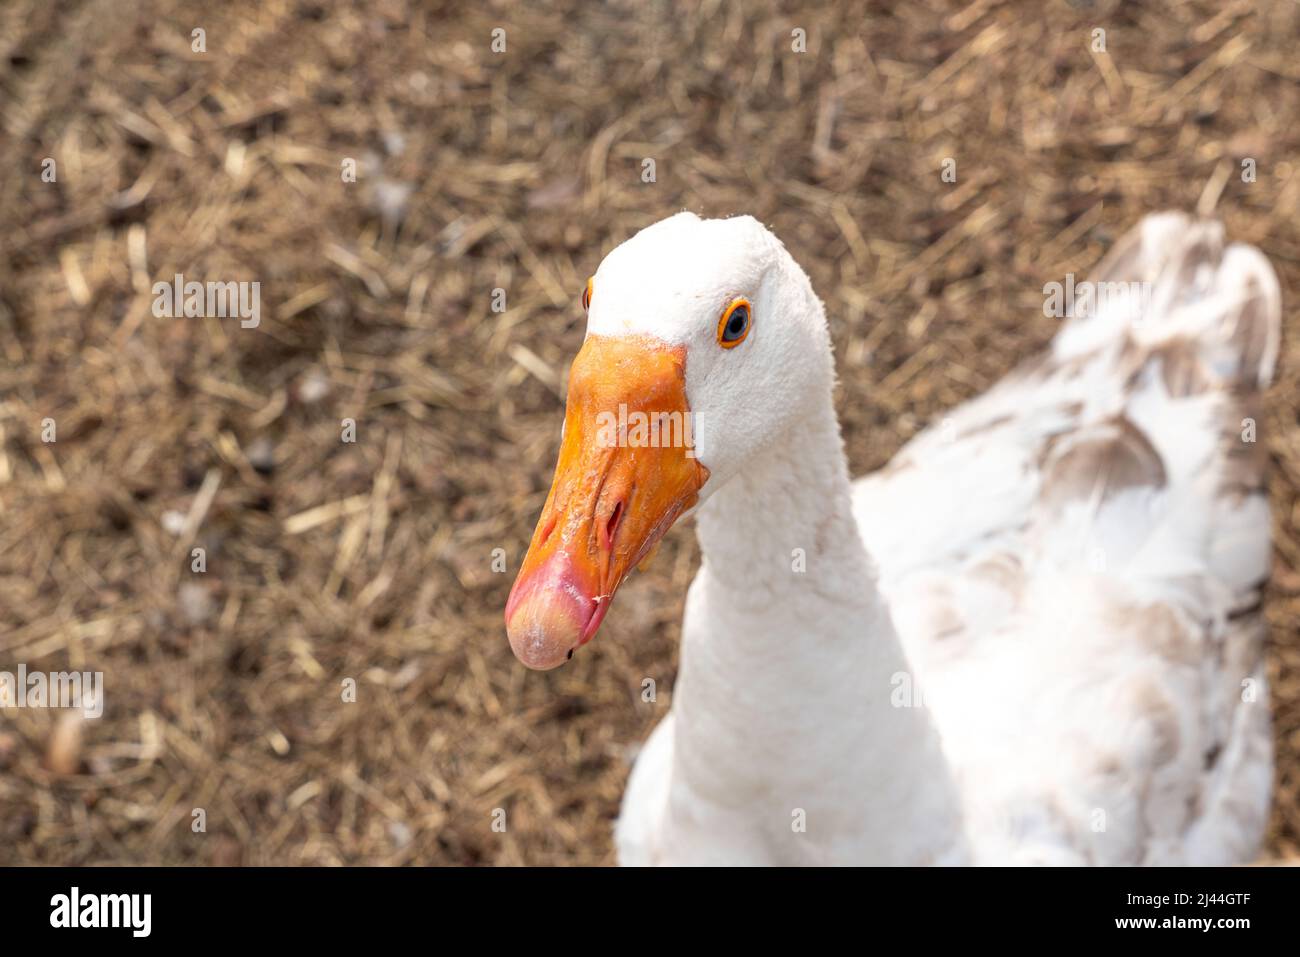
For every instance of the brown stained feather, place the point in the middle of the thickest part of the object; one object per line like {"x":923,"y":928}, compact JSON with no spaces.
{"x":1154,"y":707}
{"x":1252,"y":333}
{"x":1181,"y":368}
{"x":1003,"y":571}
{"x":980,"y":428}
{"x":1206,"y":249}
{"x":1161,"y":629}
{"x":943,"y":620}
{"x":1178,"y":360}
{"x":1099,"y":462}
{"x":1244,"y":463}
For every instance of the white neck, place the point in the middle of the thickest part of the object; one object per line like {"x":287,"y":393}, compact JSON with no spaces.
{"x":783,"y":699}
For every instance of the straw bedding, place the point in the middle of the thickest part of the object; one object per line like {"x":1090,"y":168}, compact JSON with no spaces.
{"x":373,"y":560}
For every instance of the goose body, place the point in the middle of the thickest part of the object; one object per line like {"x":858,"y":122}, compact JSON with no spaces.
{"x":1035,"y":637}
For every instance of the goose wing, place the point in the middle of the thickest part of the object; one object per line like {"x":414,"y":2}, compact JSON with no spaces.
{"x":1075,"y":559}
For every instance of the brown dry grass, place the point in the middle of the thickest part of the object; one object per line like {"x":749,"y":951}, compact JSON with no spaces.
{"x":373,"y":560}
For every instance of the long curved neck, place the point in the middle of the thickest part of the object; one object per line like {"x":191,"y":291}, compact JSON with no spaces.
{"x":789,"y":659}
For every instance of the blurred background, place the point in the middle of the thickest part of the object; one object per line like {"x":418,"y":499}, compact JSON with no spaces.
{"x":517,"y":170}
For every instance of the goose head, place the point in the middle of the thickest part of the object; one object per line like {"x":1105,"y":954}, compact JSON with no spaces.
{"x":705,"y":344}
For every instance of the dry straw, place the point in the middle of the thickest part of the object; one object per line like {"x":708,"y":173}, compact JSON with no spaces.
{"x":373,"y":560}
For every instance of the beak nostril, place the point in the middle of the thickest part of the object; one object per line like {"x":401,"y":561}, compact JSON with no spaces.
{"x":611,"y":526}
{"x":548,"y":527}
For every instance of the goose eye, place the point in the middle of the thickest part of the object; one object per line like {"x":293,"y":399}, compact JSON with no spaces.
{"x":734,"y":324}
{"x":586,"y":296}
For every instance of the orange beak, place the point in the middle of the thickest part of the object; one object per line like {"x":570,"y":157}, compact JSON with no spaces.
{"x":626,"y":472}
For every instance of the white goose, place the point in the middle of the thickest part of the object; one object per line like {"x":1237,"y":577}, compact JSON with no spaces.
{"x":1067,"y":573}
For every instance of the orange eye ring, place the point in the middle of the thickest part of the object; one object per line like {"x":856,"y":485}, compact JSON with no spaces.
{"x":586,"y":295}
{"x":737,"y":319}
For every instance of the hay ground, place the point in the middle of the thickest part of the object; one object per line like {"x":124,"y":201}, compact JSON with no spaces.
{"x":518,"y":171}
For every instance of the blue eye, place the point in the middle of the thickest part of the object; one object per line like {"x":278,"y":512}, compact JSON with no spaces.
{"x":734,"y":324}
